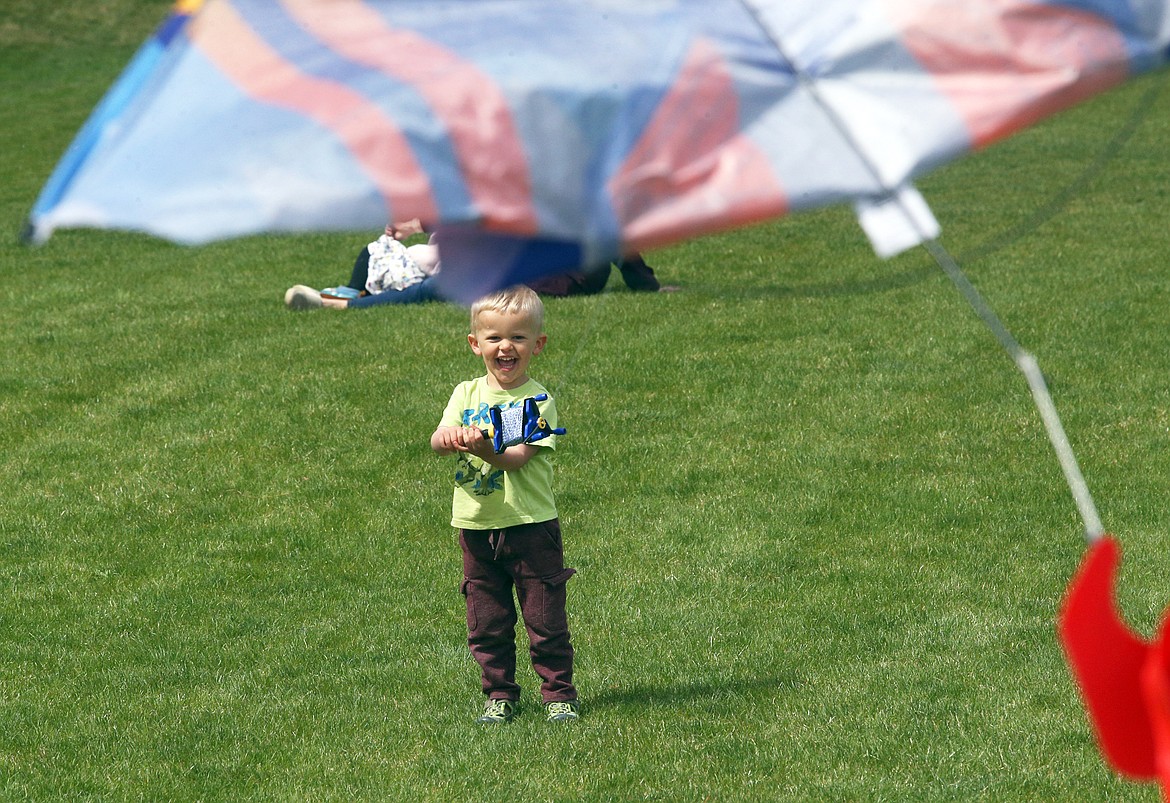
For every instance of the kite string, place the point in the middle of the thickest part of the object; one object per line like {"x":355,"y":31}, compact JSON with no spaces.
{"x":1061,"y":198}
{"x":1027,"y":364}
{"x":1023,"y":360}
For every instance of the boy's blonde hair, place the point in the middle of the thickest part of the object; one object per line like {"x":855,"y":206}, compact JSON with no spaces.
{"x":519,"y":299}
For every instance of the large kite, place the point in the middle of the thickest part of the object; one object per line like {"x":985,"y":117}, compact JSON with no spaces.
{"x":536,"y":136}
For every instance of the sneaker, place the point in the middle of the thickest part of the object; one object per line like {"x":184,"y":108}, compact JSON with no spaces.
{"x":300,"y":297}
{"x":497,"y":712}
{"x":565,"y":711}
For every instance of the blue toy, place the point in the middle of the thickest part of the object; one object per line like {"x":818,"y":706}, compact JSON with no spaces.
{"x":516,"y":425}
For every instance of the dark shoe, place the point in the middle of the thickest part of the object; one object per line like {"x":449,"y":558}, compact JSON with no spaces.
{"x":637,"y":275}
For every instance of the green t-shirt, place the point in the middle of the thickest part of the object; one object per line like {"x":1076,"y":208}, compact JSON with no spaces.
{"x":489,"y":498}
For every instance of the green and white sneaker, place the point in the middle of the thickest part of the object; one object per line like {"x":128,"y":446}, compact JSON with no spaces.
{"x":497,"y":712}
{"x":562,"y":711}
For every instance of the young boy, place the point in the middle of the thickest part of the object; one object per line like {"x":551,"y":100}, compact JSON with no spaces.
{"x":503,"y":507}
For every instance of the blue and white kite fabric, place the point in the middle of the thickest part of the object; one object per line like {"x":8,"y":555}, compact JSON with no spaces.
{"x":537,"y":136}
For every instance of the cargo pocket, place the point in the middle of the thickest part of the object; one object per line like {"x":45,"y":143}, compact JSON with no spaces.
{"x":552,"y":607}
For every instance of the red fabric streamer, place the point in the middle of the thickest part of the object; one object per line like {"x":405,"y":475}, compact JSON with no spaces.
{"x":1124,"y":680}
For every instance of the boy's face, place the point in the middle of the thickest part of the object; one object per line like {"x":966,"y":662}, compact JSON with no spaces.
{"x":507,"y":343}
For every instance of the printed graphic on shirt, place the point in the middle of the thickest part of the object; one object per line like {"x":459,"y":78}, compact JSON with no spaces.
{"x":482,"y":477}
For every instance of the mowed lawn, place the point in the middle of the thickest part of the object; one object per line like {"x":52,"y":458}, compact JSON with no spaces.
{"x":821,"y":537}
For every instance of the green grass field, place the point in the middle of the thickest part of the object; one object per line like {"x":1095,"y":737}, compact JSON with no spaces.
{"x":821,"y":537}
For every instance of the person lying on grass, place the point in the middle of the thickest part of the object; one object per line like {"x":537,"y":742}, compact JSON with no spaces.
{"x":385,"y":272}
{"x":388,"y":272}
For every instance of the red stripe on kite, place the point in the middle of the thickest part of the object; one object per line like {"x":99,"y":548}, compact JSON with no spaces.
{"x":1007,"y":64}
{"x":467,"y":101}
{"x":688,"y":165}
{"x":373,"y":138}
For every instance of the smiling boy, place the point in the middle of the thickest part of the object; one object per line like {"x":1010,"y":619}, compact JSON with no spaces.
{"x":504,"y":510}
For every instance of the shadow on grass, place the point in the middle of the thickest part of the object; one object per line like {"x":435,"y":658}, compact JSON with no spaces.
{"x":882,"y":284}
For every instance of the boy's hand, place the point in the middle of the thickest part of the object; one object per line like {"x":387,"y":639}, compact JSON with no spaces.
{"x":461,"y":439}
{"x":446,"y":440}
{"x":478,"y":444}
